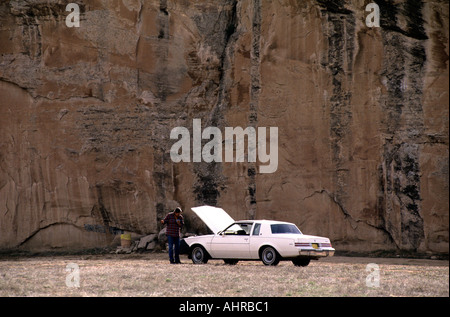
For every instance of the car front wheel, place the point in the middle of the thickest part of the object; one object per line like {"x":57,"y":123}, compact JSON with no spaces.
{"x":199,"y":255}
{"x":269,"y":256}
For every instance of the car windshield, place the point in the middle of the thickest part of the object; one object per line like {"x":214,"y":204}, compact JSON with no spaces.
{"x":284,"y":228}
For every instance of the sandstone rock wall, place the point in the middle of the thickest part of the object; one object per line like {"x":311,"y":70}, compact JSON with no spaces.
{"x":362,"y":116}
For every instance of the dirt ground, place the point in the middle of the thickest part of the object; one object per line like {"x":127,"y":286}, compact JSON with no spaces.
{"x":152,"y":275}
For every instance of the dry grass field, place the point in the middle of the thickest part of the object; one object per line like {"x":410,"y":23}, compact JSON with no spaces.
{"x":152,"y":275}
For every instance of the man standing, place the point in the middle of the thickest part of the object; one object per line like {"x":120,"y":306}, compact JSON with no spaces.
{"x":174,"y":221}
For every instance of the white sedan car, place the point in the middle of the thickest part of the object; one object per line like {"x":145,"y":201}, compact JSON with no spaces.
{"x":265,"y":240}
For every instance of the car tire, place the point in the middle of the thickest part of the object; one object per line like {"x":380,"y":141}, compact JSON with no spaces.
{"x":301,"y":261}
{"x":269,"y":256}
{"x":199,"y":255}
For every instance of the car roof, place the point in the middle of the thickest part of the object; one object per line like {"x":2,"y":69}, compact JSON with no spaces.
{"x":264,"y":220}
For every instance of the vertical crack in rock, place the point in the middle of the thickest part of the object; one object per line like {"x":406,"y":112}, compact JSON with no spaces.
{"x":160,"y":178}
{"x":103,"y":212}
{"x":210,"y":179}
{"x":163,"y":19}
{"x":403,"y":73}
{"x":340,"y":25}
{"x":255,"y":91}
{"x":161,"y":157}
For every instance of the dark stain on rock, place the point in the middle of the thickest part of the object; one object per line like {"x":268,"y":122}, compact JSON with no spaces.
{"x":334,"y":6}
{"x":209,"y":184}
{"x":403,"y":71}
{"x":340,"y":25}
{"x":219,"y":29}
{"x":411,"y":10}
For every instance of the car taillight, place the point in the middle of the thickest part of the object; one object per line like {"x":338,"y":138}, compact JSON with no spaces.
{"x":301,"y":244}
{"x":325,"y":245}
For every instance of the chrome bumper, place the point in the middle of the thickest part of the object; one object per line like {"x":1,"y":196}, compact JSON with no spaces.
{"x":316,"y":252}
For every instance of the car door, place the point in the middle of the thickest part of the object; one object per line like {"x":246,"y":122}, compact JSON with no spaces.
{"x":232,"y":243}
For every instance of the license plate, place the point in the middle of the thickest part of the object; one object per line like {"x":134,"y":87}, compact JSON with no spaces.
{"x":315,"y":245}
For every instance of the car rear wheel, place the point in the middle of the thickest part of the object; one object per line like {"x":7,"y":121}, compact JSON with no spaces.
{"x":199,"y":255}
{"x":269,"y":256}
{"x":301,"y":261}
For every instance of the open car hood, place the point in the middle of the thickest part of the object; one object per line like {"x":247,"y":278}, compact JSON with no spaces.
{"x":215,"y":218}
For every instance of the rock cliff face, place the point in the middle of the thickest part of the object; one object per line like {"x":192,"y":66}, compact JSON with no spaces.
{"x":362,"y":115}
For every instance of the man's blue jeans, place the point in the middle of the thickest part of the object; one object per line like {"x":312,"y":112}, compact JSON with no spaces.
{"x":174,"y":241}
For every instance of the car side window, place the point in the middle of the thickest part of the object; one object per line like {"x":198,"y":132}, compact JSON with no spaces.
{"x":256,"y":229}
{"x":245,"y":229}
{"x":240,"y":229}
